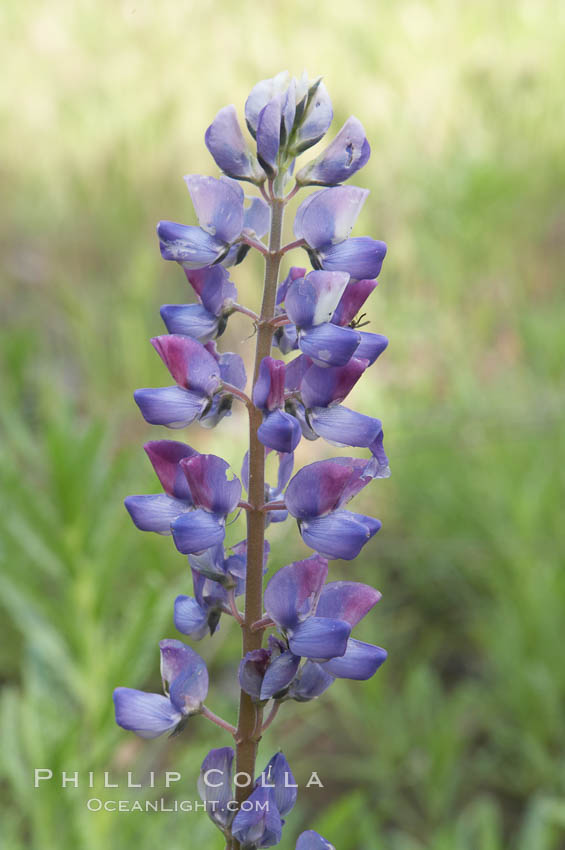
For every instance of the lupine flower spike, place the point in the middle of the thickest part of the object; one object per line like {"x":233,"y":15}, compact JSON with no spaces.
{"x":298,"y":635}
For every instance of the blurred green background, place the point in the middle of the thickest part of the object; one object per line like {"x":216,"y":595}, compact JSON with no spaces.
{"x":458,"y":743}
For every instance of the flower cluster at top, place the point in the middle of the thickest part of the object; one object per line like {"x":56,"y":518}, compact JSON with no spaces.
{"x":314,"y":319}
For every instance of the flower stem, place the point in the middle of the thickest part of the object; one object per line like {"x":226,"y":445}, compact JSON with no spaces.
{"x":219,"y":721}
{"x":272,"y":714}
{"x":246,"y":736}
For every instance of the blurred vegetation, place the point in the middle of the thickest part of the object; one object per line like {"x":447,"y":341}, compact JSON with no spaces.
{"x":458,"y":743}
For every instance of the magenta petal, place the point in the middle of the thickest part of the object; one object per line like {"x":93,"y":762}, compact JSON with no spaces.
{"x":292,"y":593}
{"x":320,"y":638}
{"x":346,"y":600}
{"x":360,"y":661}
{"x":213,"y":287}
{"x":355,"y":295}
{"x":218,"y":205}
{"x":321,"y":386}
{"x":324,"y":486}
{"x":268,"y":392}
{"x":165,"y":456}
{"x":209,"y":485}
{"x":189,"y":363}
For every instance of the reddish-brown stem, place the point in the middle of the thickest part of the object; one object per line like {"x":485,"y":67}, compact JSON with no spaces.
{"x":262,"y":624}
{"x":239,"y":308}
{"x":274,"y":506}
{"x":298,"y":243}
{"x":250,"y":716}
{"x":272,"y":714}
{"x":233,"y":606}
{"x":278,"y":321}
{"x":296,"y":188}
{"x":255,"y":243}
{"x":229,"y":388}
{"x":219,"y":721}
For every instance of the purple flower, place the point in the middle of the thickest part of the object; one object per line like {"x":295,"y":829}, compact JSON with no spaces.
{"x":156,"y":512}
{"x":199,"y":615}
{"x":325,"y":219}
{"x":318,"y":393}
{"x":287,"y":112}
{"x":207,"y":319}
{"x":215,"y":786}
{"x":315,"y":496}
{"x":348,"y":152}
{"x":225,"y":142}
{"x":279,"y":430}
{"x":267,"y":673}
{"x":354,"y":296}
{"x":214,"y":576}
{"x":219,"y":206}
{"x":258,"y":823}
{"x":317,"y":619}
{"x":278,"y":775}
{"x":199,"y":376}
{"x":214,"y":496}
{"x":310,"y":303}
{"x":185,"y":683}
{"x":311,"y":840}
{"x":351,"y":601}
